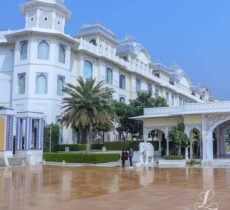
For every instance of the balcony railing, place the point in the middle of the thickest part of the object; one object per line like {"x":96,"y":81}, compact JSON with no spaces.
{"x":134,"y":66}
{"x":52,"y":1}
{"x":208,"y":107}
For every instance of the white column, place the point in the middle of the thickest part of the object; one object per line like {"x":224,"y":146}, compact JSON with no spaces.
{"x":204,"y":143}
{"x":218,"y":142}
{"x":187,"y":132}
{"x":160,"y":139}
{"x":167,"y":140}
{"x":209,"y":145}
{"x":191,"y":149}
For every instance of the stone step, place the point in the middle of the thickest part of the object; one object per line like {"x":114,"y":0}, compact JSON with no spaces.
{"x":17,"y":161}
{"x":2,"y":162}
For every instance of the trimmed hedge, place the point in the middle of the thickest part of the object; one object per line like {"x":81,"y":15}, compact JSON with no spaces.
{"x":119,"y":145}
{"x":81,"y":158}
{"x":77,"y":147}
{"x":114,"y":146}
{"x":173,"y":157}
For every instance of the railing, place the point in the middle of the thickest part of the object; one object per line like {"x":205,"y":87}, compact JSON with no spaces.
{"x":52,"y":1}
{"x":219,"y":106}
{"x":134,"y":66}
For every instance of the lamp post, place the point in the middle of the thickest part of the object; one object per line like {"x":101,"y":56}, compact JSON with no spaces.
{"x":50,"y":136}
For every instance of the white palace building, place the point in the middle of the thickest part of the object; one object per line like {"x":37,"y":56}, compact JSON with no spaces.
{"x":36,"y":61}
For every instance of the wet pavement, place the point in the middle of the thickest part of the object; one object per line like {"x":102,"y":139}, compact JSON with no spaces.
{"x":94,"y":188}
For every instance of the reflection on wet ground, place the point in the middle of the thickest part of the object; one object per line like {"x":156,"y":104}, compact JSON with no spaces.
{"x":92,"y":188}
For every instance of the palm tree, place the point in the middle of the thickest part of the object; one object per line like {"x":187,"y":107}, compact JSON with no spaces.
{"x":88,"y":104}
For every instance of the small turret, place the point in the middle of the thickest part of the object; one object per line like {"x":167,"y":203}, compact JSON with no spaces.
{"x":45,"y":14}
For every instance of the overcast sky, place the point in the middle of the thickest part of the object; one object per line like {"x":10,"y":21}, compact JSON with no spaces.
{"x":195,"y":34}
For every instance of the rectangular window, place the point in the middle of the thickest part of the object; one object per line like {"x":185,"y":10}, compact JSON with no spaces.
{"x":23,"y":50}
{"x":149,"y":87}
{"x":138,"y":84}
{"x":167,"y":97}
{"x":156,"y":92}
{"x":181,"y":103}
{"x":173,"y":102}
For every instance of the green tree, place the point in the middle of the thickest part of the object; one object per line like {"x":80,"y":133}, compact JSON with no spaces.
{"x":51,"y":132}
{"x":124,"y":112}
{"x":102,"y":129}
{"x":135,"y":108}
{"x":88,"y":104}
{"x":179,"y":137}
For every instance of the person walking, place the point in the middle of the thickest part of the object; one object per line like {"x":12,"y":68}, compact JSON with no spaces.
{"x":131,"y":156}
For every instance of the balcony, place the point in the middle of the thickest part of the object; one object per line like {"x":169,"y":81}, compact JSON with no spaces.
{"x":139,"y":68}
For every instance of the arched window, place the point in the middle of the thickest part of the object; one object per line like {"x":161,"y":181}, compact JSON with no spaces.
{"x":109,"y":76}
{"x":41,"y":84}
{"x":23,"y":50}
{"x":21,"y":83}
{"x":62,"y":53}
{"x":88,"y":70}
{"x":138,"y":84}
{"x":43,"y":50}
{"x":60,"y":85}
{"x":122,"y":99}
{"x":94,"y":42}
{"x":122,"y":81}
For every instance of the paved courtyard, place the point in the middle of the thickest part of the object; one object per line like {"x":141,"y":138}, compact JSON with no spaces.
{"x":94,"y":188}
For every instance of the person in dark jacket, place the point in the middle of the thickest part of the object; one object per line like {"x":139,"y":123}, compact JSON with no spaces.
{"x":131,"y":156}
{"x":124,"y":157}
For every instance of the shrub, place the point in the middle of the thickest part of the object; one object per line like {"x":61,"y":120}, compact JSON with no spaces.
{"x":81,"y":158}
{"x":115,"y":146}
{"x":77,"y":147}
{"x":193,"y":162}
{"x":72,"y":147}
{"x":173,"y":157}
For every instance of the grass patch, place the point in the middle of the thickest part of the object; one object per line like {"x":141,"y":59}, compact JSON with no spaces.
{"x":193,"y":162}
{"x":81,"y":158}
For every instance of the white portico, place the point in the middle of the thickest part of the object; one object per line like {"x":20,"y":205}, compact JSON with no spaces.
{"x":205,"y":123}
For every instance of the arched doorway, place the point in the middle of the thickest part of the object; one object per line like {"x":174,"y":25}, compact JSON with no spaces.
{"x":221,"y":139}
{"x":196,"y":144}
{"x":158,"y":136}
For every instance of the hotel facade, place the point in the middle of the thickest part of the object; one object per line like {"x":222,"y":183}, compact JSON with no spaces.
{"x":36,"y":62}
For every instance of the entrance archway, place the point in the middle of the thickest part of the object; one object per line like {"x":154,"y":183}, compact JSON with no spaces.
{"x":221,"y":139}
{"x":158,"y":135}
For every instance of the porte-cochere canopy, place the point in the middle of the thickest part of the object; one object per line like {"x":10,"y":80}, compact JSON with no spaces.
{"x":210,"y":122}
